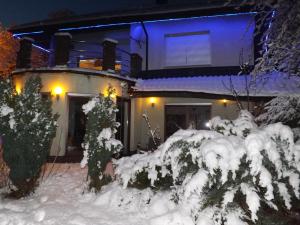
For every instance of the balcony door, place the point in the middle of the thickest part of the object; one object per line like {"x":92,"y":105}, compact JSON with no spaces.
{"x":123,"y":117}
{"x":77,"y":125}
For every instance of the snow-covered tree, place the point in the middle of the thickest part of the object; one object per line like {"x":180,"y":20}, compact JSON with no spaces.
{"x":99,"y":142}
{"x":6,"y":104}
{"x":235,"y":174}
{"x":278,"y":28}
{"x":27,"y":135}
{"x":285,"y":109}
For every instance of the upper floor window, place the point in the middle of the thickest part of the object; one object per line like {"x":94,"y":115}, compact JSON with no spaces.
{"x":187,"y":49}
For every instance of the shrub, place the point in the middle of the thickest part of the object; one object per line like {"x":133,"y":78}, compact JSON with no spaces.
{"x":234,"y":174}
{"x":27,"y":135}
{"x":99,"y":143}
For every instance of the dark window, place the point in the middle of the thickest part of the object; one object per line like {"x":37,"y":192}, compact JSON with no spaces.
{"x":185,"y":117}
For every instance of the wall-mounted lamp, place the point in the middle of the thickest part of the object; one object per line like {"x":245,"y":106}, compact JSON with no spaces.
{"x":224,"y":101}
{"x":152,"y":101}
{"x":18,"y":89}
{"x":57,"y":91}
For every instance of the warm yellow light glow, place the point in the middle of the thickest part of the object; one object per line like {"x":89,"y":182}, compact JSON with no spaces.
{"x":113,"y":95}
{"x":225,"y":101}
{"x":57,"y":90}
{"x":152,"y":100}
{"x":18,"y":89}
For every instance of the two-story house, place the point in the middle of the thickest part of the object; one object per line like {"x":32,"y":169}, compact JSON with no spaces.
{"x":178,"y":64}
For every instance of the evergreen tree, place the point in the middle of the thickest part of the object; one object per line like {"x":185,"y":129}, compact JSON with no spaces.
{"x":99,"y":143}
{"x":28,"y":136}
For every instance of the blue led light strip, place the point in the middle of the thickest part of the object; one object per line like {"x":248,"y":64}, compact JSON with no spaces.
{"x":37,"y":46}
{"x":152,"y":21}
{"x":269,"y":27}
{"x":27,"y":33}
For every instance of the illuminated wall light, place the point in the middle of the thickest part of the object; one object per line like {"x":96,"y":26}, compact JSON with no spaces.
{"x":18,"y":89}
{"x":152,"y":101}
{"x":57,"y":91}
{"x":225,"y":102}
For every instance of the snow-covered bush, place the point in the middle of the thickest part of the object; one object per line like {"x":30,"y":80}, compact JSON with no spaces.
{"x":235,"y":173}
{"x":99,"y":142}
{"x":27,"y":134}
{"x":284,"y":109}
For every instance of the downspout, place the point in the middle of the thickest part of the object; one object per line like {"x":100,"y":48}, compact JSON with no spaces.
{"x":147,"y":45}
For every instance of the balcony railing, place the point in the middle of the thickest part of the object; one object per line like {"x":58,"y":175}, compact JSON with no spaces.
{"x":98,"y":56}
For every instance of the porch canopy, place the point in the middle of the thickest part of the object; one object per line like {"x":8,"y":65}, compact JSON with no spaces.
{"x":271,"y":85}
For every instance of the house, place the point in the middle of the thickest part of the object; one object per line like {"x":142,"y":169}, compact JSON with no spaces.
{"x":178,"y":64}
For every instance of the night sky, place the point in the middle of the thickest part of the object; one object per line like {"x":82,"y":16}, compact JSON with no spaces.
{"x":14,"y":12}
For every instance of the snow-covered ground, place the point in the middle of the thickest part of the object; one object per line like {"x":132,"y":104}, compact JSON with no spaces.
{"x":62,"y":199}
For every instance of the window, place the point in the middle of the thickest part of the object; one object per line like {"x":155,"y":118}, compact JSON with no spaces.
{"x":96,"y":64}
{"x":187,"y":49}
{"x":186,"y":116}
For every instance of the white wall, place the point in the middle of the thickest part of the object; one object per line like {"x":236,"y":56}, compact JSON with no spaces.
{"x":228,"y":35}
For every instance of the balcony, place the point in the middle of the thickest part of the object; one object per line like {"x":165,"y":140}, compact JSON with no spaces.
{"x":66,"y":53}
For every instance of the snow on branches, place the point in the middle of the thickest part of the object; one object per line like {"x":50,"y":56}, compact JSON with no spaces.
{"x":99,"y":142}
{"x":227,"y":175}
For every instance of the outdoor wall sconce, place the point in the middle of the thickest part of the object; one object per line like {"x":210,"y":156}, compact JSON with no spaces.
{"x":152,"y":101}
{"x":18,"y":89}
{"x":224,"y":101}
{"x":57,"y":92}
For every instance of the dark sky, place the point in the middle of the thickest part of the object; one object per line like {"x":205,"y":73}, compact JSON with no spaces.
{"x":22,"y":11}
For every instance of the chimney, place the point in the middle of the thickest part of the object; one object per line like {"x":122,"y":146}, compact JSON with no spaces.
{"x":135,"y":64}
{"x":24,"y":54}
{"x":109,"y":54}
{"x":62,"y":47}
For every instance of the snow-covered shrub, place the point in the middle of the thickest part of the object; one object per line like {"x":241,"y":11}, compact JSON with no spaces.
{"x":284,"y":109}
{"x":27,"y":135}
{"x":6,"y":102}
{"x":235,"y":173}
{"x":142,"y":171}
{"x":99,"y":142}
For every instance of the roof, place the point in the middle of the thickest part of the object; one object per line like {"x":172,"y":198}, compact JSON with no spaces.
{"x":262,"y":86}
{"x":183,"y":10}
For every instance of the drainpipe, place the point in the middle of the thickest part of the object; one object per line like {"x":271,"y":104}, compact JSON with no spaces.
{"x":147,"y":45}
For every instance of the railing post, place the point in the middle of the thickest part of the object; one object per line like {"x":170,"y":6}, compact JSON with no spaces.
{"x":62,"y":47}
{"x":135,"y":64}
{"x":109,"y":54}
{"x":24,"y":54}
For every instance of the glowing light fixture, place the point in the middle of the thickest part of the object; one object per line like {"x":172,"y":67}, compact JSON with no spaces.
{"x":57,"y":91}
{"x":152,"y":101}
{"x":18,"y":89}
{"x":225,"y":101}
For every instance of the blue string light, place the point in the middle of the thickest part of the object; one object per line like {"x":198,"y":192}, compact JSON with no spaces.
{"x":151,"y":21}
{"x":37,"y":46}
{"x":269,"y":27}
{"x":28,"y":33}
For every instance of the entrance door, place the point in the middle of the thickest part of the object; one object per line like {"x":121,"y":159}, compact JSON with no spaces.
{"x":77,"y":124}
{"x":186,"y":116}
{"x":123,"y":117}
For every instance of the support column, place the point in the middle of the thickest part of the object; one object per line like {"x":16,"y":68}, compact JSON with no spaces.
{"x":24,"y":54}
{"x":135,"y":64}
{"x":109,"y":54}
{"x":62,"y":47}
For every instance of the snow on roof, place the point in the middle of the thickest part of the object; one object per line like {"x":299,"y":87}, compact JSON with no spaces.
{"x":268,"y":85}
